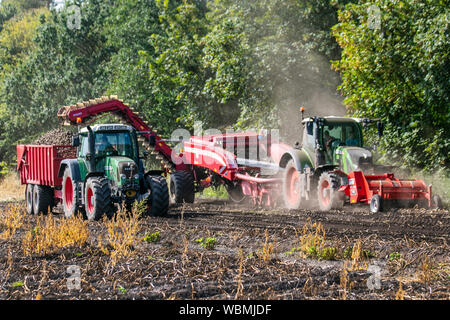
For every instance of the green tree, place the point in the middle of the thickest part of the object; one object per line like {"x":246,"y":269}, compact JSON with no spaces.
{"x":399,"y":71}
{"x":65,"y":66}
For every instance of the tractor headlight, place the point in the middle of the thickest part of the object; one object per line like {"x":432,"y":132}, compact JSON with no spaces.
{"x":136,"y":177}
{"x":123,"y":176}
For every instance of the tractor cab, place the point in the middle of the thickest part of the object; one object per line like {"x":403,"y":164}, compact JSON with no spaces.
{"x":112,"y":151}
{"x":336,"y":141}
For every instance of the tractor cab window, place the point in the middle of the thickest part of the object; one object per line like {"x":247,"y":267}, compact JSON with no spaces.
{"x":308,"y":135}
{"x":339,"y":134}
{"x":84,"y":146}
{"x":114,"y":144}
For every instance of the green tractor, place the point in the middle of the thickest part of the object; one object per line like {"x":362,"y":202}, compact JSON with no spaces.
{"x":331,"y":148}
{"x":108,"y":172}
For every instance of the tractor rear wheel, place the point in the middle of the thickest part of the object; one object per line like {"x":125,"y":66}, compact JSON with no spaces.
{"x":158,"y":202}
{"x":42,"y":199}
{"x":97,"y":198}
{"x":182,"y":187}
{"x":291,"y":186}
{"x":327,"y":191}
{"x":29,"y":198}
{"x":69,"y":194}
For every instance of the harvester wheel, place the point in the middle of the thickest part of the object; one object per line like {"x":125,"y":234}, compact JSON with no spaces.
{"x":291,"y":186}
{"x":29,"y":198}
{"x":327,"y":190}
{"x":42,"y":199}
{"x":182,"y":187}
{"x":235,"y":193}
{"x":98,"y":198}
{"x":376,"y":204}
{"x":69,"y":194}
{"x":158,"y":202}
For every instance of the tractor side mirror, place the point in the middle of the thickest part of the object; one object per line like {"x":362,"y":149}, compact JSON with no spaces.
{"x":152,"y":141}
{"x":380,"y":128}
{"x":75,"y":141}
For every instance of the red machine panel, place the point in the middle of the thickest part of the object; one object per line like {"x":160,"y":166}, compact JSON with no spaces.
{"x":40,"y":164}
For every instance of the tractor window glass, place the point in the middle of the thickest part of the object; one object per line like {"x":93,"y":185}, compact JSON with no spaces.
{"x":341,"y":134}
{"x":114,"y":144}
{"x":84,"y":148}
{"x":308,"y":139}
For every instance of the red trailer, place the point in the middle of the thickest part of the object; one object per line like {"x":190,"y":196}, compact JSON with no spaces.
{"x":38,"y":167}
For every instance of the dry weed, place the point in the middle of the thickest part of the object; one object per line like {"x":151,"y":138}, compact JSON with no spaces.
{"x":11,"y":219}
{"x":268,"y":247}
{"x":11,"y":189}
{"x":122,"y":233}
{"x":51,"y":233}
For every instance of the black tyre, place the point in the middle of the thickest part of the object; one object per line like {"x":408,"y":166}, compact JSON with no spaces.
{"x":42,"y":199}
{"x":291,"y":186}
{"x":158,"y":201}
{"x":376,"y":204}
{"x":182,"y":187}
{"x":327,"y":192}
{"x":29,"y":198}
{"x":235,"y":194}
{"x":69,"y":195}
{"x":97,"y":198}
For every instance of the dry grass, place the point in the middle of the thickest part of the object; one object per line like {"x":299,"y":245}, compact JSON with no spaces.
{"x":11,"y":189}
{"x":51,"y":233}
{"x":11,"y":219}
{"x":122,"y":233}
{"x":268,"y":247}
{"x":240,"y":286}
{"x":400,"y":294}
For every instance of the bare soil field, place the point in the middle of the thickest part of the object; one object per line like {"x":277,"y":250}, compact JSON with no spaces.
{"x":216,"y":250}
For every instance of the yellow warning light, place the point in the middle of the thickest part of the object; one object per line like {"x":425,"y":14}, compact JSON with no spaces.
{"x":79,"y":120}
{"x":302,"y":109}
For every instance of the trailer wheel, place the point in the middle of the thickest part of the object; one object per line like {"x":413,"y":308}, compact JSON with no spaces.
{"x":376,"y":204}
{"x":69,"y":194}
{"x":42,"y":199}
{"x":182,"y":187}
{"x":327,"y":191}
{"x":291,"y":186}
{"x":97,"y":198}
{"x":158,"y":201}
{"x":29,"y":198}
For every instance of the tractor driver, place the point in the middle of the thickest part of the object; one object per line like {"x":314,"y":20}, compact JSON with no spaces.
{"x":351,"y":141}
{"x":105,"y":146}
{"x":328,"y":139}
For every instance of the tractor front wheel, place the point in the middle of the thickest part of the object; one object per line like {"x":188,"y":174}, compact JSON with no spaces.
{"x":327,"y":191}
{"x":97,"y":198}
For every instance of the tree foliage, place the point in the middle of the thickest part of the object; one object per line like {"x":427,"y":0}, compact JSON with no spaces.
{"x":400,"y":72}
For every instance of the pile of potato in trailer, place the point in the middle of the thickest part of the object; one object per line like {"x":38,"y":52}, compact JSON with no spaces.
{"x":327,"y":167}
